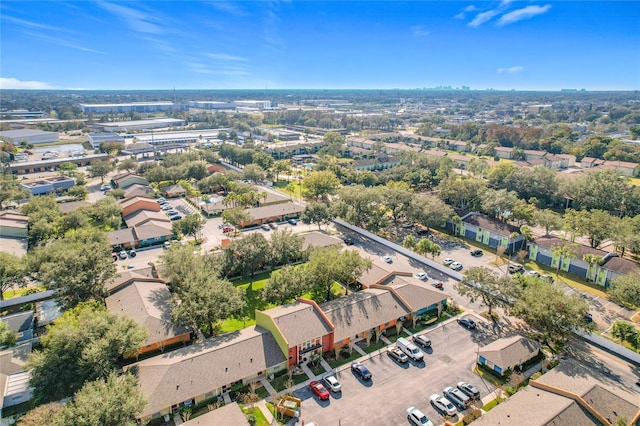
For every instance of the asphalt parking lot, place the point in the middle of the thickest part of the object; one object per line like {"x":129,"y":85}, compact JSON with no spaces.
{"x":396,"y":387}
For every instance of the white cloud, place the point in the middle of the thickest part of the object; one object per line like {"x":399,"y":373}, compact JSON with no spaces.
{"x":419,"y":31}
{"x":225,"y":57}
{"x":36,"y":25}
{"x":522,"y":14}
{"x":136,"y":19}
{"x":466,"y":10}
{"x":511,"y":70}
{"x":483,"y":17}
{"x":228,"y":7}
{"x":61,"y":42}
{"x":470,"y":8}
{"x":14,"y":83}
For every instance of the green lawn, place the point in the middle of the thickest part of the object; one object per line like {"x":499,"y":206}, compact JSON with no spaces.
{"x":334,"y":363}
{"x":280,"y":383}
{"x":373,"y":346}
{"x":261,"y":420}
{"x":484,"y":372}
{"x":9,"y":294}
{"x":489,"y":405}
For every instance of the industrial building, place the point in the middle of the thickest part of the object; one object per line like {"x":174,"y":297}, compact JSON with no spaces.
{"x":33,"y":137}
{"x":97,"y":139}
{"x":128,"y":107}
{"x":125,"y":126}
{"x":254,"y":104}
{"x":211,"y":105}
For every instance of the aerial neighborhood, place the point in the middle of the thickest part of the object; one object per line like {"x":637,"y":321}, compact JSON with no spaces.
{"x":229,"y":257}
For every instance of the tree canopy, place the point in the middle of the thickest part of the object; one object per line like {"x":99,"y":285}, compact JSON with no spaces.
{"x":85,"y":344}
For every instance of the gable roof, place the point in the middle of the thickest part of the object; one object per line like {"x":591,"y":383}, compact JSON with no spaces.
{"x":128,"y":202}
{"x":493,"y":225}
{"x":121,"y":236}
{"x":362,"y":311}
{"x":416,"y":297}
{"x":149,"y":304}
{"x":282,"y":209}
{"x":143,"y":216}
{"x":182,"y":374}
{"x":228,"y":415}
{"x":299,"y":322}
{"x":138,"y":189}
{"x":510,"y":351}
{"x":318,"y":239}
{"x":130,"y":275}
{"x":153,"y":229}
{"x":67,"y":208}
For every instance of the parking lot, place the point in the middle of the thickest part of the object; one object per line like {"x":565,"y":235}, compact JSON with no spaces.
{"x":396,"y":387}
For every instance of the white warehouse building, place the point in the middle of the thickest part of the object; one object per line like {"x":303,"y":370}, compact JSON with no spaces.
{"x":31,"y":136}
{"x":137,"y":125}
{"x":129,"y":107}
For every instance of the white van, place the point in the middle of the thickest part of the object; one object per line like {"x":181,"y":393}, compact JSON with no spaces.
{"x":410,"y":349}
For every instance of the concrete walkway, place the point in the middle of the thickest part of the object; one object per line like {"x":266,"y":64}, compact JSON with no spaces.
{"x":385,"y":340}
{"x":268,"y":387}
{"x":325,"y":365}
{"x":177,"y":419}
{"x":407,"y":331}
{"x":359,"y":350}
{"x":307,"y":371}
{"x":262,"y":405}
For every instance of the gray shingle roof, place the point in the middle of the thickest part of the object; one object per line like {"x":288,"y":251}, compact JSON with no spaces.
{"x":142,"y":216}
{"x":121,"y":236}
{"x":149,"y":304}
{"x":362,"y":311}
{"x":153,"y":229}
{"x":298,"y":322}
{"x":509,"y":352}
{"x":182,"y":374}
{"x":417,"y":296}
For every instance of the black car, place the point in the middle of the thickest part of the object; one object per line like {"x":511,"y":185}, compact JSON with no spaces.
{"x":361,"y":370}
{"x":467,"y":322}
{"x":348,"y":241}
{"x":476,"y":253}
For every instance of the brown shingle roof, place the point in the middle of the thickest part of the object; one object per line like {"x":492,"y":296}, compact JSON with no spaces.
{"x":121,"y":236}
{"x":182,"y":374}
{"x":149,"y":304}
{"x":227,"y":415}
{"x":362,"y":311}
{"x":493,"y":225}
{"x":417,"y":296}
{"x":509,"y":352}
{"x":143,"y":216}
{"x":299,"y":322}
{"x":318,"y":239}
{"x":153,"y":229}
{"x":282,"y":209}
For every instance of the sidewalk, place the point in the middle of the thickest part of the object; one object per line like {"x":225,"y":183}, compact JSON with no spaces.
{"x":262,"y":405}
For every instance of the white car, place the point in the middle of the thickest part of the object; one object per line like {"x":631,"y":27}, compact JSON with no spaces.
{"x":416,"y":417}
{"x":532,"y":274}
{"x":443,"y":405}
{"x":332,"y":383}
{"x":387,"y":259}
{"x":448,"y":261}
{"x":421,"y":276}
{"x":456,"y":266}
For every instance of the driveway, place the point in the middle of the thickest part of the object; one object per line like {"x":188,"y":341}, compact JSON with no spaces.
{"x":395,"y":387}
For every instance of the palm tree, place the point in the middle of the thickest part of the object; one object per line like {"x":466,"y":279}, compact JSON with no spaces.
{"x":592,"y":259}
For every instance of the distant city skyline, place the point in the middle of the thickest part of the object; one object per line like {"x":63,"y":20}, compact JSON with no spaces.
{"x":148,"y":45}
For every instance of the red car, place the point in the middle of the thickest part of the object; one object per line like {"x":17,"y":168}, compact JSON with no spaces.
{"x":319,"y":390}
{"x":438,"y":285}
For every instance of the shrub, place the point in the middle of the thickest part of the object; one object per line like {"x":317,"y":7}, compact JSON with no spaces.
{"x":510,"y":391}
{"x":535,"y":375}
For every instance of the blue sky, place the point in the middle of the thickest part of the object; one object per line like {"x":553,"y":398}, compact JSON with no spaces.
{"x":305,"y":44}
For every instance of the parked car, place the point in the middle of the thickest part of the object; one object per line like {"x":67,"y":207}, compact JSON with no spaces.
{"x":387,"y":259}
{"x":115,"y":256}
{"x":176,"y":217}
{"x":422,"y":231}
{"x":132,"y":253}
{"x":471,"y":391}
{"x":332,"y":383}
{"x":410,"y":349}
{"x":361,"y":370}
{"x":588,"y":318}
{"x":443,"y":405}
{"x":166,"y":244}
{"x":548,"y":278}
{"x":476,"y":253}
{"x":320,"y":391}
{"x":130,"y":266}
{"x":459,"y":398}
{"x":448,"y":261}
{"x":422,"y":340}
{"x":161,"y":200}
{"x":122,"y":255}
{"x":273,"y":225}
{"x":265,"y":227}
{"x":532,"y":274}
{"x":172,"y":212}
{"x":293,"y":221}
{"x":397,"y":354}
{"x":348,"y":241}
{"x":438,"y":285}
{"x":421,"y":275}
{"x":514,"y":268}
{"x":416,"y":417}
{"x":166,"y":207}
{"x":456,"y":266}
{"x":228,"y":228}
{"x":467,"y":322}
{"x":105,"y":187}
